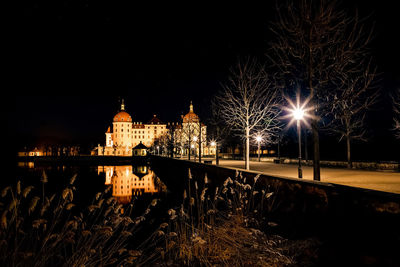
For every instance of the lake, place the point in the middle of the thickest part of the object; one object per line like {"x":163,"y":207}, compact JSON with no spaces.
{"x":131,"y":185}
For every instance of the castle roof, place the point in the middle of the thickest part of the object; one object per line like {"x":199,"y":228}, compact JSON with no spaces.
{"x":140,"y":146}
{"x":122,"y":116}
{"x":191,"y":116}
{"x":154,"y":120}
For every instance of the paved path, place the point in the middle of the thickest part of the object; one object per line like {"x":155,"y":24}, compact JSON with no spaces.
{"x":388,"y":181}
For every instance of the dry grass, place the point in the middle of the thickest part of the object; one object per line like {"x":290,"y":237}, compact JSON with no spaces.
{"x":40,"y":230}
{"x":220,"y":227}
{"x":223,"y":226}
{"x":232,"y":243}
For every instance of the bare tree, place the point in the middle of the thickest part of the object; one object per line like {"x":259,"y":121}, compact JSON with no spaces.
{"x":396,"y":110}
{"x":169,"y":139}
{"x":218,"y":130}
{"x":350,"y":104}
{"x":315,"y":46}
{"x":248,"y":103}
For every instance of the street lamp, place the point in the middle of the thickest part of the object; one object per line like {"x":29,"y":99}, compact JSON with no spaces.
{"x":194,"y":146}
{"x":158,"y":150}
{"x":258,"y":138}
{"x":214,"y":144}
{"x":298,"y":114}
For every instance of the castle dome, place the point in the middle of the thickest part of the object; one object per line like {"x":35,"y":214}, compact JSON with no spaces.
{"x":191,"y":116}
{"x":122,"y":116}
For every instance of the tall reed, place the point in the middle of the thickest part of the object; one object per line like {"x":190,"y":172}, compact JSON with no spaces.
{"x":41,"y":230}
{"x":219,"y":226}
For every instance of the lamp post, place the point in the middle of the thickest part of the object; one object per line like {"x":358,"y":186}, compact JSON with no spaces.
{"x":215,"y":144}
{"x":158,"y":150}
{"x":258,"y":138}
{"x":194,"y":146}
{"x":298,"y":115}
{"x":191,"y":148}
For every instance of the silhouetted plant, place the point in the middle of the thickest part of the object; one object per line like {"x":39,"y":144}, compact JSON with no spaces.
{"x":50,"y":230}
{"x":219,"y":226}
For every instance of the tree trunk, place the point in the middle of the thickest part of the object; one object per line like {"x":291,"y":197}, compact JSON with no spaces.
{"x":189,"y":146}
{"x":200,"y":141}
{"x":305,"y":145}
{"x":216,"y":154}
{"x":247,"y":148}
{"x":279,"y":149}
{"x":314,"y":122}
{"x":316,"y":163}
{"x":349,"y":163}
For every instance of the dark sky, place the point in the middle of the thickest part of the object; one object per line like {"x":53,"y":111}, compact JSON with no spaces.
{"x":70,"y":62}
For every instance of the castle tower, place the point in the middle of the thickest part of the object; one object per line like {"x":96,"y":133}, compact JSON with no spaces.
{"x":122,"y":132}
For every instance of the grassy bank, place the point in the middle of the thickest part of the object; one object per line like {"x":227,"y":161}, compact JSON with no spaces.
{"x":224,"y":226}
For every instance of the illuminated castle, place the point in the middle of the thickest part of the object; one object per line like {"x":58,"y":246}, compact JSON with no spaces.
{"x":125,"y":134}
{"x":189,"y":136}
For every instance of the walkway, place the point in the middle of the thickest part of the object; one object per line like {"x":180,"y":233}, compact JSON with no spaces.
{"x":388,"y":181}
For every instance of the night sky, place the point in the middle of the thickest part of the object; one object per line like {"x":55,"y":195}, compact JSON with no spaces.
{"x":70,"y":62}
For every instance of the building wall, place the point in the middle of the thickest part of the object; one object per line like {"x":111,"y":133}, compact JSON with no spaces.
{"x":126,"y":135}
{"x":122,"y":134}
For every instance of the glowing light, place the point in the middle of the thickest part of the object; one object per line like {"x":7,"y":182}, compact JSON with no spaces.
{"x":213,"y":143}
{"x":298,"y":113}
{"x":195,"y":138}
{"x":258,"y":138}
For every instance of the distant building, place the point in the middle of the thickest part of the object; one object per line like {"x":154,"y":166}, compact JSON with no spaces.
{"x":191,"y":135}
{"x":32,"y":153}
{"x":50,"y":150}
{"x":124,"y":134}
{"x":140,"y":150}
{"x":125,"y":137}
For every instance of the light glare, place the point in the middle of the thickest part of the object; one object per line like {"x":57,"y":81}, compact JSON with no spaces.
{"x":298,"y":113}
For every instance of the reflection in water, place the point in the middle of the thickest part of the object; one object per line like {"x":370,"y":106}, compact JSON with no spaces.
{"x":128,"y":181}
{"x":26,"y":164}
